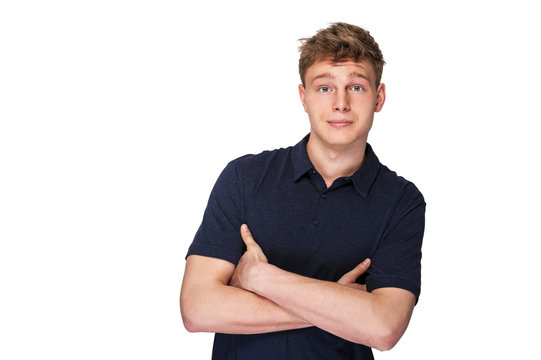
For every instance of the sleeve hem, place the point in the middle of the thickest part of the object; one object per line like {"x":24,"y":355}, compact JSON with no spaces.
{"x":215,"y":252}
{"x":414,"y":288}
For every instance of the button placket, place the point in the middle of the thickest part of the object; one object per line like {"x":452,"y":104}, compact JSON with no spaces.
{"x":319,"y":183}
{"x":317,"y":209}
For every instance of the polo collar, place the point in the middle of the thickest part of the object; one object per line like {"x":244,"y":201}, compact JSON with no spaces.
{"x":300,"y":159}
{"x":362,"y":179}
{"x":366,"y":175}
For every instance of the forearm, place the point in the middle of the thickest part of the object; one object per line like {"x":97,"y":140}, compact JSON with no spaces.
{"x":349,"y":313}
{"x":214,"y":306}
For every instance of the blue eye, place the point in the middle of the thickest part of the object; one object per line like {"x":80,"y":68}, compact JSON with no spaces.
{"x":357,"y":88}
{"x":324,"y":89}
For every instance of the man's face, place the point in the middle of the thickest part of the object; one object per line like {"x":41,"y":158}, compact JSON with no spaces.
{"x":341,"y":99}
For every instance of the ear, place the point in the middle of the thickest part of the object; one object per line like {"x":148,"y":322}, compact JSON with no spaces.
{"x":302,"y":94}
{"x":380,"y":97}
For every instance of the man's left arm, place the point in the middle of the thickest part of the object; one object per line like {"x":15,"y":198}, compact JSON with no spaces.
{"x":377,"y":319}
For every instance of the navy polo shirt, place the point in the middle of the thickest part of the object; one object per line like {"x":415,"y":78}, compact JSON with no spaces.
{"x":309,"y":229}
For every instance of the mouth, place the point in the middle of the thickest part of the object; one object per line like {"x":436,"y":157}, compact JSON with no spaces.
{"x":339,"y":123}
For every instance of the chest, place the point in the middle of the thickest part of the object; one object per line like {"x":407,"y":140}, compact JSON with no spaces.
{"x":314,"y":232}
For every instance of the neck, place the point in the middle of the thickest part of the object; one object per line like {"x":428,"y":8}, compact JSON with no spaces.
{"x":333,"y":162}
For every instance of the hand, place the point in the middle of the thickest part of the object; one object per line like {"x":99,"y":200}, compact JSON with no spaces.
{"x":246,"y":271}
{"x":349,"y":278}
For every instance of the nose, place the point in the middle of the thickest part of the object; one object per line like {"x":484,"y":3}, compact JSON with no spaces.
{"x":341,"y":102}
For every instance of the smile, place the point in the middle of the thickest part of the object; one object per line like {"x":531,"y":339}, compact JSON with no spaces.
{"x":339,"y":123}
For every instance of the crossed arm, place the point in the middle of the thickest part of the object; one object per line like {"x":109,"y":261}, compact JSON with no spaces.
{"x":257,"y":297}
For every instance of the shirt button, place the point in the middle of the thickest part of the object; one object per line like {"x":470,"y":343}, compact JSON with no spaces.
{"x":323,"y":196}
{"x":315,"y":222}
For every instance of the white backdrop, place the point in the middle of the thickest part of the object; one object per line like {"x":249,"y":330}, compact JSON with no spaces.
{"x":116,"y":117}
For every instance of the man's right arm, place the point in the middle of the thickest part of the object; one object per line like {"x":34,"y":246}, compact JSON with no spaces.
{"x":209,"y":304}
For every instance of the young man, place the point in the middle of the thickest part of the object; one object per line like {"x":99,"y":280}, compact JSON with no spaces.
{"x":289,"y":235}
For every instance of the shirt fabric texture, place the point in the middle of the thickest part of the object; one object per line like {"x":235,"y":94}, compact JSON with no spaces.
{"x":311,"y":230}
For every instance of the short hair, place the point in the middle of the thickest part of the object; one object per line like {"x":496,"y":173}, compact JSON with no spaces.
{"x":340,"y":42}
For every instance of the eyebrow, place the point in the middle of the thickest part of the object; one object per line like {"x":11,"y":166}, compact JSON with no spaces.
{"x":351,"y":75}
{"x":356,"y":75}
{"x":325,"y":75}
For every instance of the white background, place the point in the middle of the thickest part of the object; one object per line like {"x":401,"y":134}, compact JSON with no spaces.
{"x":117,"y":117}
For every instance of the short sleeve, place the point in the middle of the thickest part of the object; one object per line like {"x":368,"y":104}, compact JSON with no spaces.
{"x":219,"y":233}
{"x":396,"y":261}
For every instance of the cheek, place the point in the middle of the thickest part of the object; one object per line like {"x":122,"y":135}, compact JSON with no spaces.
{"x":313,"y":113}
{"x":314,"y":106}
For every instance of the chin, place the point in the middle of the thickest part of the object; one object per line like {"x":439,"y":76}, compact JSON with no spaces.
{"x":341,"y":141}
{"x":345,"y":138}
{"x":340,"y":137}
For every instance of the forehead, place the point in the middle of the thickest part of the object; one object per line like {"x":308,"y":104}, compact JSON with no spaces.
{"x":346,"y":68}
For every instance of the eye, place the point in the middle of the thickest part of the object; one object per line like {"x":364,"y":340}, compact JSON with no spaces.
{"x":324,"y":89}
{"x":357,"y":88}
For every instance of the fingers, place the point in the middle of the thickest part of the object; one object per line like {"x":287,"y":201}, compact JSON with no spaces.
{"x":247,"y":236}
{"x":362,"y":267}
{"x":357,"y":271}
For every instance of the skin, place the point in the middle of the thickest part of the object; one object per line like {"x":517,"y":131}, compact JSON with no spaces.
{"x":340,"y":99}
{"x":213,"y":300}
{"x":255,"y":296}
{"x":376,"y":319}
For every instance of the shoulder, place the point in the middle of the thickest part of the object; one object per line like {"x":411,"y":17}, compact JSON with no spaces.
{"x":262,"y":157}
{"x":389,"y":182}
{"x":254,"y":164}
{"x":248,"y":171}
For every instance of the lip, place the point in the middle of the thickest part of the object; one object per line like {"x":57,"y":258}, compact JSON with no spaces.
{"x":339,"y":123}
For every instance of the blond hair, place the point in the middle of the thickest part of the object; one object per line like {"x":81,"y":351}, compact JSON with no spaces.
{"x":340,"y":42}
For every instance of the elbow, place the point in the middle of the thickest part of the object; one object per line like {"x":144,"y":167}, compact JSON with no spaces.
{"x":385,"y":343}
{"x":382,"y":338}
{"x":189,"y":314}
{"x":189,"y":324}
{"x":386,"y":338}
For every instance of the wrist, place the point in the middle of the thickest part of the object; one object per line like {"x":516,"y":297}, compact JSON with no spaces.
{"x":259,"y":276}
{"x":267,"y":275}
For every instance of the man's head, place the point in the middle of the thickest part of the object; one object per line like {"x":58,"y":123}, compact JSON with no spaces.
{"x":341,"y":68}
{"x":340,"y":42}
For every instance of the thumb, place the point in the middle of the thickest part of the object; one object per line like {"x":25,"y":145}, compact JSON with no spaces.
{"x":246,"y":235}
{"x":357,"y":271}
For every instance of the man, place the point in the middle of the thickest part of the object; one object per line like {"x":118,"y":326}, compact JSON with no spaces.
{"x":313,"y":251}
